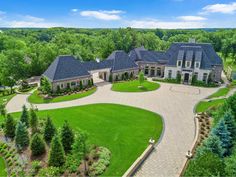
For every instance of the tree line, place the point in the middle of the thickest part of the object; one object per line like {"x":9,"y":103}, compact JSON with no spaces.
{"x":28,"y":52}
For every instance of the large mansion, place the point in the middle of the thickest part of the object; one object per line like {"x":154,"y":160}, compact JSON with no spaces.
{"x":186,"y":60}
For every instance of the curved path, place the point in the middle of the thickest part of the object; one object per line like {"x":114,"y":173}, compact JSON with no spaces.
{"x":174,"y":102}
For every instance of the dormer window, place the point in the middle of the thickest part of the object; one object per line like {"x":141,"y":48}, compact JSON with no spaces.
{"x":179,"y":63}
{"x":188,"y":64}
{"x":197,"y":65}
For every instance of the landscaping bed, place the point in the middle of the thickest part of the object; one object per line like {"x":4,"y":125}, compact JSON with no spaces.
{"x":38,"y":98}
{"x":125,"y":131}
{"x":203,"y":106}
{"x":5,"y":98}
{"x":134,"y":86}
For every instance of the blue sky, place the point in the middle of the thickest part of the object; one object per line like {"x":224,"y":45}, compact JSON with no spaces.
{"x":118,"y":13}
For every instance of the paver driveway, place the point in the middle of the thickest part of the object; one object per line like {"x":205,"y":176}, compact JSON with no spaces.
{"x":174,"y":102}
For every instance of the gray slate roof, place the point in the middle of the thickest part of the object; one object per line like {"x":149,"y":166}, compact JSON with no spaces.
{"x":120,"y":61}
{"x":143,"y":55}
{"x":193,"y":52}
{"x":65,"y":67}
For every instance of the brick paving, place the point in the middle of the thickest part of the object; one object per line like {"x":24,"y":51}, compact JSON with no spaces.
{"x":175,"y":103}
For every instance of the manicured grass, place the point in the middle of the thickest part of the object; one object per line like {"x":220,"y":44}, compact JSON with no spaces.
{"x":133,"y":86}
{"x":124,"y":130}
{"x":203,"y":106}
{"x":37,"y":99}
{"x":7,"y":98}
{"x":220,"y":92}
{"x":3,"y":172}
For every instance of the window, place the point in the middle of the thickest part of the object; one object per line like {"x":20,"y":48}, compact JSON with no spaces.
{"x":197,"y":64}
{"x":179,"y":63}
{"x":169,"y":74}
{"x":73,"y":83}
{"x":62,"y":85}
{"x":188,"y":64}
{"x":159,"y":72}
{"x":204,"y":79}
{"x":146,"y":71}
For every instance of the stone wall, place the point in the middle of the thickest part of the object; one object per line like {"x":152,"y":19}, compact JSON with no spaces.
{"x":118,"y":74}
{"x":73,"y":83}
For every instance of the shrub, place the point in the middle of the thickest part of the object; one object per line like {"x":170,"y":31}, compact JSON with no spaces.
{"x":25,"y":116}
{"x":110,"y":78}
{"x":56,"y":154}
{"x":80,"y":85}
{"x":37,"y":145}
{"x":208,"y":164}
{"x":33,"y":121}
{"x":141,"y":77}
{"x":100,"y":166}
{"x":49,"y":172}
{"x":49,"y":130}
{"x":10,"y":126}
{"x":35,"y":167}
{"x":72,"y":163}
{"x":67,"y":137}
{"x":22,"y":136}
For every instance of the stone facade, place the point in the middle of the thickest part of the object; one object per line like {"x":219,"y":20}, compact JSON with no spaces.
{"x":71,"y":83}
{"x":118,"y":74}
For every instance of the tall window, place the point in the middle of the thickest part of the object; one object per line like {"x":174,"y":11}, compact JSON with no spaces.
{"x":196,"y":75}
{"x":188,"y":64}
{"x":197,"y":64}
{"x":146,"y":71}
{"x":170,"y":74}
{"x":204,"y":79}
{"x":179,"y":63}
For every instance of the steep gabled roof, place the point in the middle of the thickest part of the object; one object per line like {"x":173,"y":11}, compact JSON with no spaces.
{"x":120,"y":61}
{"x":65,"y":67}
{"x":202,"y":52}
{"x":143,"y":55}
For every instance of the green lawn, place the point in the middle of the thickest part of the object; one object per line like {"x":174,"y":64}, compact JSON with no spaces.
{"x":203,"y":106}
{"x":8,"y":97}
{"x":124,"y":130}
{"x":220,"y":92}
{"x":133,"y":86}
{"x":3,"y":172}
{"x":37,"y":99}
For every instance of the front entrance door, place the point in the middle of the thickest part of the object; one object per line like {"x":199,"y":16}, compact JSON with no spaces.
{"x":186,"y":77}
{"x":152,"y":73}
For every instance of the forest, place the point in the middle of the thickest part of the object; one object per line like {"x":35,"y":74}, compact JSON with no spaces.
{"x":28,"y":52}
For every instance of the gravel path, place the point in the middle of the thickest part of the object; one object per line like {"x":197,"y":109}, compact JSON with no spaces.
{"x":174,"y":102}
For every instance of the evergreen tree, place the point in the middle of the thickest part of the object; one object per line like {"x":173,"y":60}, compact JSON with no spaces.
{"x":37,"y":145}
{"x":67,"y":137}
{"x":49,"y":130}
{"x":22,"y":136}
{"x":213,"y":144}
{"x":25,"y":116}
{"x":10,"y":126}
{"x":230,"y":165}
{"x":221,"y":131}
{"x":230,"y":123}
{"x":33,"y":121}
{"x":141,"y":78}
{"x":56,"y":154}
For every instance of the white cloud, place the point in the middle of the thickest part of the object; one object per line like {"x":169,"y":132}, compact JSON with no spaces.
{"x":165,"y":24}
{"x":103,"y":14}
{"x":191,"y":18}
{"x":74,"y":10}
{"x":220,"y":8}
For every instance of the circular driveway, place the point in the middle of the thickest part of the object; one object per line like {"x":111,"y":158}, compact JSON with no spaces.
{"x":174,"y":102}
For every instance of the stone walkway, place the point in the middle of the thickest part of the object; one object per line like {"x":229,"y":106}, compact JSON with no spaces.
{"x":174,"y":102}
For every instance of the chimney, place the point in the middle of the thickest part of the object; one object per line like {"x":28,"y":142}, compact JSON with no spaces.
{"x":192,"y":40}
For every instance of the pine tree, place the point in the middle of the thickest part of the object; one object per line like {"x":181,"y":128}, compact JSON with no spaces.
{"x":37,"y":145}
{"x":56,"y":154}
{"x":33,"y":121}
{"x":10,"y":126}
{"x":213,"y":144}
{"x":49,"y":130}
{"x":22,"y":136}
{"x":230,"y":123}
{"x":67,"y":137}
{"x":221,"y":131}
{"x":25,"y":116}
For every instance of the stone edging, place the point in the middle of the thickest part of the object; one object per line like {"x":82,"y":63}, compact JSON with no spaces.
{"x":139,"y":161}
